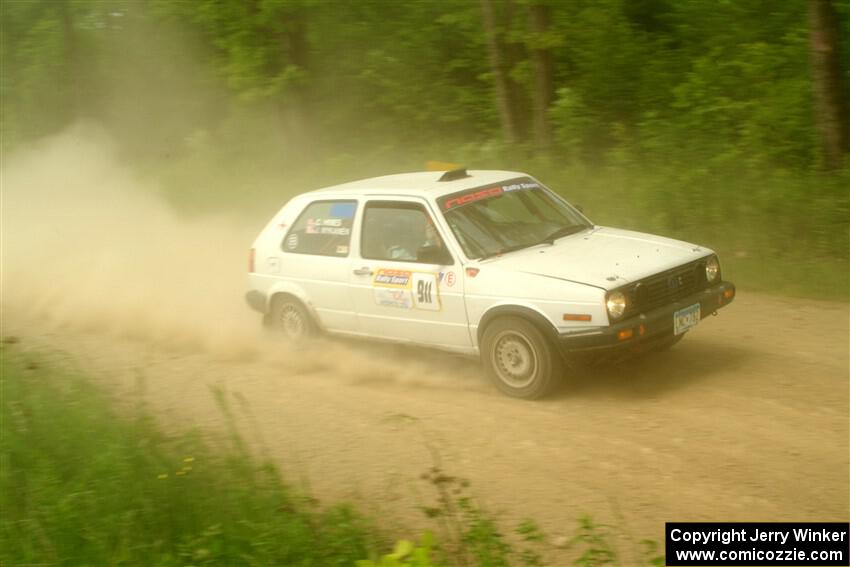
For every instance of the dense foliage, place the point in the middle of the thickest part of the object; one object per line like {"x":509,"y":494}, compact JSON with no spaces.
{"x":718,"y":81}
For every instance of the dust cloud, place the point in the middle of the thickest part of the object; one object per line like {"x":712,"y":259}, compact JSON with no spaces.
{"x":89,"y":246}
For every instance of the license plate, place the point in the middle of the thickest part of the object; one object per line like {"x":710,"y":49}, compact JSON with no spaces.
{"x":686,"y":318}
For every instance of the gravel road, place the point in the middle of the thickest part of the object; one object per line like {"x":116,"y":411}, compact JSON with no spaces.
{"x":744,"y":420}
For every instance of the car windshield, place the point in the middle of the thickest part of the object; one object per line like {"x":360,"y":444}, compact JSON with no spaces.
{"x":512,"y":215}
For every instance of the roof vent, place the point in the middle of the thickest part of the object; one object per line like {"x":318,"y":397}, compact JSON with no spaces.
{"x":454,"y":174}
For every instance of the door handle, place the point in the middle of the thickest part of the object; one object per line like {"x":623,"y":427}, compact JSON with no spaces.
{"x":364,"y":271}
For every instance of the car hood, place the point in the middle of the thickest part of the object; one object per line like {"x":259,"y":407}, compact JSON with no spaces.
{"x":603,"y":257}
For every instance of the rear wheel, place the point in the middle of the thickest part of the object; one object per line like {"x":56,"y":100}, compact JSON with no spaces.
{"x":290,"y":319}
{"x":519,"y":359}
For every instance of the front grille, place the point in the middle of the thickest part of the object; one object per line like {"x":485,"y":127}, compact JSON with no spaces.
{"x":665,"y":287}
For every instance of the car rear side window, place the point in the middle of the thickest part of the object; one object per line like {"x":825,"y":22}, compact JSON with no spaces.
{"x":323,"y":228}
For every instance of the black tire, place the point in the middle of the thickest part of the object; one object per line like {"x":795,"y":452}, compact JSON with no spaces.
{"x":289,"y":319}
{"x":519,"y":359}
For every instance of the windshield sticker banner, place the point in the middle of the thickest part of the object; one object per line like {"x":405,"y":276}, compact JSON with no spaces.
{"x":457,"y":200}
{"x":470,"y":197}
{"x":520,"y":186}
{"x":404,"y":289}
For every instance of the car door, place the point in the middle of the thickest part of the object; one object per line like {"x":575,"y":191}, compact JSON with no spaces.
{"x":405,"y":282}
{"x":316,"y":258}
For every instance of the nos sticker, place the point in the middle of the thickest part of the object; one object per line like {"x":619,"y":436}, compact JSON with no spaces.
{"x":392,"y":278}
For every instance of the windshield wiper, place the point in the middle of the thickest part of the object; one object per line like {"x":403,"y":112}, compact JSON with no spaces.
{"x":561,"y":232}
{"x":501,"y":251}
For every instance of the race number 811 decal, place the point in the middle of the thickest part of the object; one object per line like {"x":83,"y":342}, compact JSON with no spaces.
{"x":426,"y":293}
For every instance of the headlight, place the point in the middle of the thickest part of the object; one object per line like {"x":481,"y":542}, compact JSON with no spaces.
{"x":616,"y":304}
{"x":712,"y":269}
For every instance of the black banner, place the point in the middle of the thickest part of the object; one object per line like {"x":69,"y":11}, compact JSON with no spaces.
{"x":757,"y":543}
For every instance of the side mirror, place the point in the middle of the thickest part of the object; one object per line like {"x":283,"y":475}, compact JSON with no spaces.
{"x":433,"y":255}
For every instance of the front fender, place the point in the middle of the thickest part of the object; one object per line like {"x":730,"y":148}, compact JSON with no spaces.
{"x":529,"y":312}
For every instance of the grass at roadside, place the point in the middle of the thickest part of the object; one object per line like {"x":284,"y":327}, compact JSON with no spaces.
{"x":84,"y":484}
{"x":81,"y":485}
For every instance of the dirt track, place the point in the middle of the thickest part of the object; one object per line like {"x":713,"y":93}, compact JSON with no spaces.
{"x":746,"y":419}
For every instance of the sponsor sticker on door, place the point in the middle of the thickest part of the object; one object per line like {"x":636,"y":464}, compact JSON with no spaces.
{"x":403,"y":289}
{"x":392,"y":297}
{"x":392,"y":278}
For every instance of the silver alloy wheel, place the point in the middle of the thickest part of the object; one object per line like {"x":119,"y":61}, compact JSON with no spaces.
{"x":292,"y":322}
{"x":514,"y":359}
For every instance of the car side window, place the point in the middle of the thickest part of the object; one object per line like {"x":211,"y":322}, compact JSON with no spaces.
{"x":402,"y":232}
{"x":323,"y":228}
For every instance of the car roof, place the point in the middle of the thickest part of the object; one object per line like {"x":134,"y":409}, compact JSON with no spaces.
{"x":420,"y":183}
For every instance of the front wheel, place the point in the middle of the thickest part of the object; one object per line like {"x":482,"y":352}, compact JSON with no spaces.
{"x":289,"y":319}
{"x":519,"y":359}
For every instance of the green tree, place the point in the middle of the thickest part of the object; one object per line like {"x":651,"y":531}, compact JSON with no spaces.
{"x":831,"y":107}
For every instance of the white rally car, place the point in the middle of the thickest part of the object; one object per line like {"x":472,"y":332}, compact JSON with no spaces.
{"x":488,"y":263}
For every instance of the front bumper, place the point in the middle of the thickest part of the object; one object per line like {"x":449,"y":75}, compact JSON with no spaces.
{"x":645,"y":329}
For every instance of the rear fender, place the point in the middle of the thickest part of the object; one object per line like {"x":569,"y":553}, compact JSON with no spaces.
{"x":288,"y":288}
